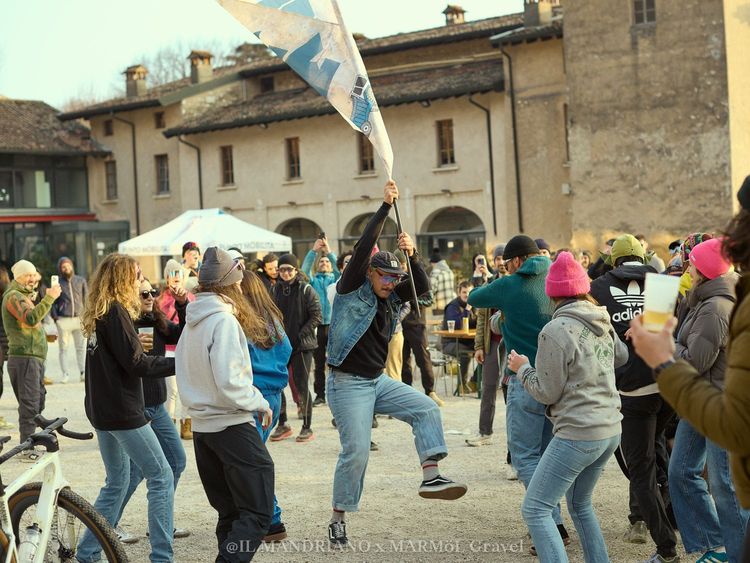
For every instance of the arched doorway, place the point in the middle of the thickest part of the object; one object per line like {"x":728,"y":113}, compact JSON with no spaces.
{"x":457,"y":233}
{"x":303,"y":233}
{"x":356,"y":226}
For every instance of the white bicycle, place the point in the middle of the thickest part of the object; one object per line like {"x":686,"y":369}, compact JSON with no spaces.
{"x":44,"y":521}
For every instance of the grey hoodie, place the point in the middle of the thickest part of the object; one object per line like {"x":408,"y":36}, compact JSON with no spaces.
{"x":214,"y":373}
{"x":575,"y":372}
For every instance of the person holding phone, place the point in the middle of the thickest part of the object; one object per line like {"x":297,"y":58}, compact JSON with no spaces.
{"x":66,"y":312}
{"x":482,"y":274}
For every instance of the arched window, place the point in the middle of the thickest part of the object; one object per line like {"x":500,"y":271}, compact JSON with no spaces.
{"x":457,"y":233}
{"x":303,"y":233}
{"x":356,"y":226}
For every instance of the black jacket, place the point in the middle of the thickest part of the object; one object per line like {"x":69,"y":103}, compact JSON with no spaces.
{"x":621,"y":292}
{"x":300,"y":306}
{"x":155,"y":389}
{"x":115,"y":364}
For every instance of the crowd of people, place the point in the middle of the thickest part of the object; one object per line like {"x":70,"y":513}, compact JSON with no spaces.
{"x":207,"y":358}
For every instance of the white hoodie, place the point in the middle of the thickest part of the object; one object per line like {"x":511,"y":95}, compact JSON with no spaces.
{"x":214,"y":373}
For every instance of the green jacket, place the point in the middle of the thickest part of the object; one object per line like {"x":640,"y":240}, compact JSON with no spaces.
{"x":23,"y":322}
{"x":722,"y":416}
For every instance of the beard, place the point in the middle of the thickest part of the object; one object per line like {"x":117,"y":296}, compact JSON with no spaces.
{"x":67,"y":275}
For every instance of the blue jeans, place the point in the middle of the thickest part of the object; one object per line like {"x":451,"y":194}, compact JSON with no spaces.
{"x":353,"y":401}
{"x":118,"y":448}
{"x":570,"y":468}
{"x":274,"y":401}
{"x":704,"y":523}
{"x":171,"y":445}
{"x":529,"y":432}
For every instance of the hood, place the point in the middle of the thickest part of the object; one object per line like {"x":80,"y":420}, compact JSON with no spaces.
{"x":205,"y":305}
{"x":723,"y":286}
{"x":61,"y":261}
{"x":633,"y":272}
{"x":594,"y":317}
{"x":442,"y":265}
{"x":535,"y":266}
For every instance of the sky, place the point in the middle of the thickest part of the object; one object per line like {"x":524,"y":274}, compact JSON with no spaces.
{"x":57,"y":50}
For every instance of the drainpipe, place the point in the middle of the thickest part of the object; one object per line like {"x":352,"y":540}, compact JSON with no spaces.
{"x":492,"y":164}
{"x":200,"y":173}
{"x":515,"y":138}
{"x":135,"y":173}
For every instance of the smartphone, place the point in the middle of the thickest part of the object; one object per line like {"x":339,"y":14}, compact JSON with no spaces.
{"x":480,"y":261}
{"x":54,"y":280}
{"x":322,"y":235}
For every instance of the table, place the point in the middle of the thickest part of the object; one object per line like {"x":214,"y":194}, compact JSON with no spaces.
{"x":461,"y":335}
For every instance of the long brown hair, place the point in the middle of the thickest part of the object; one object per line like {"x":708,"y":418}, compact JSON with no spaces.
{"x":252,"y":325}
{"x":262,"y":305}
{"x":736,"y":244}
{"x":160,"y":319}
{"x":113,"y":282}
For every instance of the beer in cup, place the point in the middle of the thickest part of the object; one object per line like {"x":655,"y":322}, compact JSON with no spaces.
{"x":660,"y":298}
{"x":465,"y":324}
{"x":451,"y":326}
{"x":148,"y":330}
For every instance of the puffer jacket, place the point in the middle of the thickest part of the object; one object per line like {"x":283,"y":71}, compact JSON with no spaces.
{"x":722,"y":416}
{"x":702,"y":336}
{"x":300,"y":306}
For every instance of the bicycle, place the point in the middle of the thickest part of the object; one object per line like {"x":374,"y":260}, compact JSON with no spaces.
{"x":43,"y":521}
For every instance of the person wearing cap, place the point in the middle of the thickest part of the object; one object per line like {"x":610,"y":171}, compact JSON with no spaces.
{"x":300,"y":307}
{"x":320,"y":267}
{"x":191,"y":263}
{"x":66,"y":313}
{"x":525,"y":309}
{"x":237,"y":254}
{"x":27,"y":344}
{"x":365,"y":311}
{"x":174,"y":277}
{"x":721,"y":415}
{"x":215,"y":379}
{"x":574,"y":375}
{"x":645,"y":413}
{"x":442,"y":282}
{"x":707,"y":528}
{"x":544,"y":247}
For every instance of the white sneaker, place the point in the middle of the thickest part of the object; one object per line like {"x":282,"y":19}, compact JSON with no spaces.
{"x":124,"y":536}
{"x":479,"y":440}
{"x":511,"y":474}
{"x":65,"y":378}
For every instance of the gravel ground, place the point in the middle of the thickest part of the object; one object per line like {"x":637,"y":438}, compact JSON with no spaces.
{"x":394,"y":523}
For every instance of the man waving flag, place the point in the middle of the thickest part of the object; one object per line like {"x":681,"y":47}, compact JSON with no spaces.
{"x":310,"y":36}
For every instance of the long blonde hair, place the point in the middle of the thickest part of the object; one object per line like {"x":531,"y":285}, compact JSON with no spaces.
{"x":262,"y":305}
{"x":252,"y":325}
{"x":113,"y":282}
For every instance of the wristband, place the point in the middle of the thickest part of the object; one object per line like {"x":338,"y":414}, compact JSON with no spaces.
{"x":662,"y":366}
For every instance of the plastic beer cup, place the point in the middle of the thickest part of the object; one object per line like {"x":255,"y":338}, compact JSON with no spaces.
{"x":660,"y":298}
{"x":451,"y":326}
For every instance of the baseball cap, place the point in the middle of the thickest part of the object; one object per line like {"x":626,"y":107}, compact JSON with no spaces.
{"x":386,"y":262}
{"x":626,"y":245}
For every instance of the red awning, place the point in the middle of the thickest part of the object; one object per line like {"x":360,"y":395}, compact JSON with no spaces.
{"x":46,"y":218}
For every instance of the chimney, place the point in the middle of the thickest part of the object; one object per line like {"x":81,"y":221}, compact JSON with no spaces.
{"x":135,"y":80}
{"x":539,"y":12}
{"x":201,"y":69}
{"x":454,"y":14}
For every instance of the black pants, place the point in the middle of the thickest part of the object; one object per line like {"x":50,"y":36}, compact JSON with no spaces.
{"x":300,"y":363}
{"x":237,"y":474}
{"x":644,"y":420}
{"x":662,"y":479}
{"x":27,"y":379}
{"x":463,"y":352}
{"x":504,"y":387}
{"x":415,"y":338}
{"x":320,"y":362}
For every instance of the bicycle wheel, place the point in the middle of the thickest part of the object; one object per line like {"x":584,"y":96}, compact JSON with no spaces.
{"x":72,"y":515}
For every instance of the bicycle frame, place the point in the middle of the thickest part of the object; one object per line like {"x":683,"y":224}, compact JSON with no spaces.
{"x":50,"y":470}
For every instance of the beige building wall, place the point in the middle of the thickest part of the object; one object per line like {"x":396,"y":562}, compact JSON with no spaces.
{"x":649,"y":134}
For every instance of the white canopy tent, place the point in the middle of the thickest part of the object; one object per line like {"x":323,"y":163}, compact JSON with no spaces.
{"x":206,"y":227}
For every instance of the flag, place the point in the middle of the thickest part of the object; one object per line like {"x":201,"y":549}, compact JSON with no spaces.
{"x":310,"y":36}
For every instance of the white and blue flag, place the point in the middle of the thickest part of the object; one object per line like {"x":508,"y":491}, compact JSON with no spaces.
{"x":310,"y":36}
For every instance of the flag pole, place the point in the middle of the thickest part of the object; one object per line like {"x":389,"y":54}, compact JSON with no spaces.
{"x":408,"y":262}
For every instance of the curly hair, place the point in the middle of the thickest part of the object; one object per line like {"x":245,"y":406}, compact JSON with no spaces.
{"x":736,"y":243}
{"x":252,"y":325}
{"x":113,"y":282}
{"x":262,"y":305}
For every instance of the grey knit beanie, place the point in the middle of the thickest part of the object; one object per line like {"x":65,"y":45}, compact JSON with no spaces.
{"x":498,"y":251}
{"x":218,"y":268}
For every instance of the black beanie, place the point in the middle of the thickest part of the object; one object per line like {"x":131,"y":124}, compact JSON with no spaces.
{"x":520,"y":245}
{"x":744,"y":194}
{"x":288,"y":260}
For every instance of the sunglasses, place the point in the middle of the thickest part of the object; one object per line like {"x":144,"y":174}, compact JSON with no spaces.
{"x":389,"y":278}
{"x":286,"y":269}
{"x":237,"y":264}
{"x":152,"y":293}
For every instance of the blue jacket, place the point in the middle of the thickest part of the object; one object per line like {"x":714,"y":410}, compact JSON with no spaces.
{"x":321,"y":281}
{"x":270,"y":374}
{"x":524,"y":303}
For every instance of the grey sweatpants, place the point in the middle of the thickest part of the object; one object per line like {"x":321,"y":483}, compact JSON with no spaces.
{"x":27,"y":379}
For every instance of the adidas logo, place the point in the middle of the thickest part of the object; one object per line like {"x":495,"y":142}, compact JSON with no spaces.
{"x":632,"y":298}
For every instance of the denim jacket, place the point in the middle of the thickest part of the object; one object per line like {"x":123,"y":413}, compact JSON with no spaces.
{"x":352,"y":316}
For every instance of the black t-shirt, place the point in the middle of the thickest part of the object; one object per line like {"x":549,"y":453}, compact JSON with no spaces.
{"x":367,"y":358}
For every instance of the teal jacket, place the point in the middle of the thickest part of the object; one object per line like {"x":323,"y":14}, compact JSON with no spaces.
{"x":524,"y":303}
{"x":321,"y":281}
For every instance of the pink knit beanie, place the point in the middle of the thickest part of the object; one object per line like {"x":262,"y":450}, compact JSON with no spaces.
{"x":566,"y":277}
{"x":709,"y":259}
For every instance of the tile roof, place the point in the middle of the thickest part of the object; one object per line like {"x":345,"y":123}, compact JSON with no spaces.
{"x":529,"y":34}
{"x":33,"y":127}
{"x":368,"y":47}
{"x":390,"y":89}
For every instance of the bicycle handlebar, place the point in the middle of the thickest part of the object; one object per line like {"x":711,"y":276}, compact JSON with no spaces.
{"x":57,"y":425}
{"x":46,"y":438}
